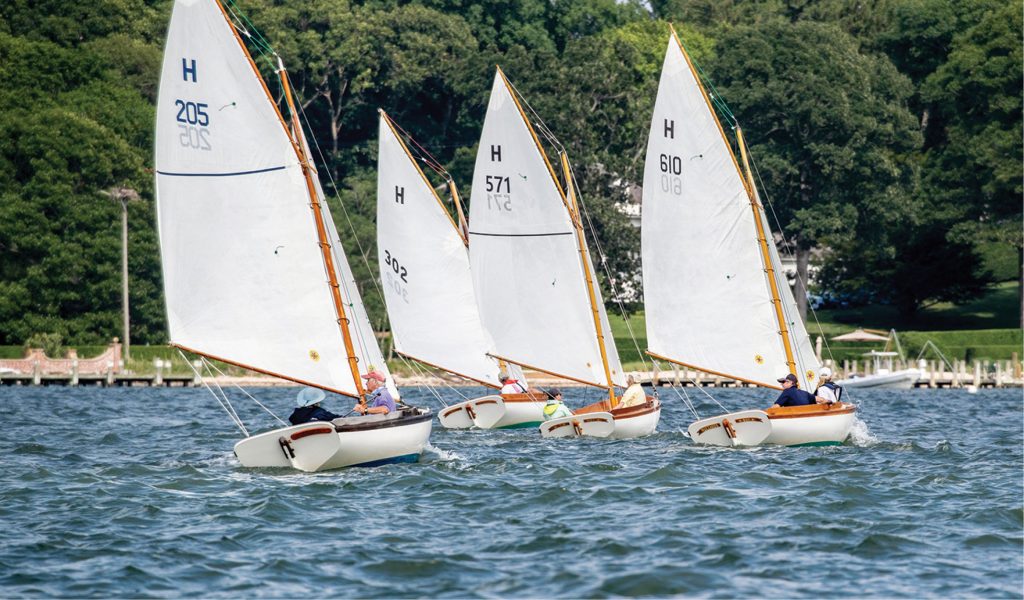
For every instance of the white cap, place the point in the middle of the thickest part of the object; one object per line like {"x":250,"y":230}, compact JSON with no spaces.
{"x":825,"y":373}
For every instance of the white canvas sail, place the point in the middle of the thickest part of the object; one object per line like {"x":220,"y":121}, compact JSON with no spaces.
{"x":524,"y":256}
{"x":224,"y":165}
{"x":424,"y":266}
{"x":707,"y":300}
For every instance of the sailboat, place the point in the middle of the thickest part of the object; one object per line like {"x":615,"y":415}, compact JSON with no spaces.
{"x":424,"y":266}
{"x":254,"y":272}
{"x":532,"y":273}
{"x":715,"y":297}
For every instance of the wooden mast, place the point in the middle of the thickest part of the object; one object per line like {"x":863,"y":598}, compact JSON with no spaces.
{"x":769,"y":268}
{"x":581,"y":243}
{"x":463,"y":223}
{"x":321,"y":232}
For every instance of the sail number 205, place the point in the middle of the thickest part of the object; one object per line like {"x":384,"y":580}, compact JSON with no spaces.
{"x":193,"y":121}
{"x":671,"y":169}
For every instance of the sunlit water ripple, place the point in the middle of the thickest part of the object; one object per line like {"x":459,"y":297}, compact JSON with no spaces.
{"x":135,"y":492}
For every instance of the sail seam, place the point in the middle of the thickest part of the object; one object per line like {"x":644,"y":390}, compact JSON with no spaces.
{"x":232,"y":174}
{"x":520,"y":234}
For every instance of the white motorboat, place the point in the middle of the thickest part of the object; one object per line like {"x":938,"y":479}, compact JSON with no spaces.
{"x":883,"y":375}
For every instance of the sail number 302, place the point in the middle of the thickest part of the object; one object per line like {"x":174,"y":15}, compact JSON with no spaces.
{"x":396,"y":275}
{"x":671,"y":169}
{"x":193,"y":120}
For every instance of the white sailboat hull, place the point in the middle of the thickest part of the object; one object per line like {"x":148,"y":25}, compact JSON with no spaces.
{"x":510,"y":411}
{"x":899,"y":380}
{"x":630,"y":423}
{"x":813,"y":425}
{"x":321,"y":446}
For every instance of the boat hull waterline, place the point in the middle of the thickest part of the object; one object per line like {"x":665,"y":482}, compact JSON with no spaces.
{"x":505,"y":411}
{"x":813,"y":425}
{"x":349,"y":442}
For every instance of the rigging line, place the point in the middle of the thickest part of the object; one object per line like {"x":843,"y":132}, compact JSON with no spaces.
{"x":223,"y":394}
{"x":246,"y":27}
{"x":789,"y":253}
{"x":604,"y":265}
{"x":195,"y":372}
{"x":705,"y":392}
{"x":427,"y":158}
{"x":251,"y":397}
{"x":688,"y":401}
{"x":540,"y":124}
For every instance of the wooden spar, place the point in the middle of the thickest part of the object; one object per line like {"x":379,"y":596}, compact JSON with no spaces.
{"x":259,"y":370}
{"x":423,"y":175}
{"x":711,"y":372}
{"x":581,"y":244}
{"x":456,"y":373}
{"x":536,"y":140}
{"x":535,"y":368}
{"x":463,"y":223}
{"x":321,"y":232}
{"x":769,"y":268}
{"x":748,"y":184}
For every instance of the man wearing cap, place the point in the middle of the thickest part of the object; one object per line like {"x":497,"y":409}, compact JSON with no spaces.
{"x":554,"y":408}
{"x":380,"y":401}
{"x":792,"y":395}
{"x":826,"y":389}
{"x":307,"y":407}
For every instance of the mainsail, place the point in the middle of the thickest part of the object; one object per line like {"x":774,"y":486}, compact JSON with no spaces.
{"x":424,"y":267}
{"x":226,"y":164}
{"x":707,"y":289}
{"x":525,"y":255}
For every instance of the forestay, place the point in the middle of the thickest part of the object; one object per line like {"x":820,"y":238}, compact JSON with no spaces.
{"x":424,"y":267}
{"x":225,"y":165}
{"x":524,"y":256}
{"x":707,"y":299}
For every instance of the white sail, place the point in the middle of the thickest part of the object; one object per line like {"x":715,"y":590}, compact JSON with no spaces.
{"x":424,"y":266}
{"x":707,"y":300}
{"x":524,"y":256}
{"x":225,"y":165}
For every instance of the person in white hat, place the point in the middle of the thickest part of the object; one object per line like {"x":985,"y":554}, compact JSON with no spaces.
{"x":634,"y":394}
{"x":827,"y":390}
{"x":307,"y":407}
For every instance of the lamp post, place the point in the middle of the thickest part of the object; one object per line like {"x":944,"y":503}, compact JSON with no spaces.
{"x":124,"y":196}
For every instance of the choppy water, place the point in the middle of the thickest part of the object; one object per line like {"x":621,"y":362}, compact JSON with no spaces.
{"x":135,"y":492}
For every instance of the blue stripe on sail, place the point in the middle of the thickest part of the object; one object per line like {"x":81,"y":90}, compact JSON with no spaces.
{"x":267,"y":170}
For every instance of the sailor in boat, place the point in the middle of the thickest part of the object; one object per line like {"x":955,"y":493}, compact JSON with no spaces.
{"x":555,"y":408}
{"x":307,"y":407}
{"x":826,"y":389}
{"x":380,"y":401}
{"x":792,"y":395}
{"x":634,"y":394}
{"x":511,"y":386}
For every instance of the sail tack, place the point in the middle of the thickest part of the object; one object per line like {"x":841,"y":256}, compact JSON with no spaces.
{"x":707,"y":298}
{"x":524,"y":255}
{"x":244,"y":277}
{"x":424,"y":267}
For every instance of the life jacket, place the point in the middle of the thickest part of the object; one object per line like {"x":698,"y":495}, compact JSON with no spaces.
{"x":837,"y":389}
{"x":549,"y":409}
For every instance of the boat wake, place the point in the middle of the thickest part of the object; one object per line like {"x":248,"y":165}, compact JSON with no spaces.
{"x":859,"y":434}
{"x":443,"y":455}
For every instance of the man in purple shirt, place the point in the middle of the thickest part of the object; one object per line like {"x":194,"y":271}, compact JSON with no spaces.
{"x":380,"y":401}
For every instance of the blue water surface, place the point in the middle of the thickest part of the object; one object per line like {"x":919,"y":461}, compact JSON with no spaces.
{"x":135,"y":492}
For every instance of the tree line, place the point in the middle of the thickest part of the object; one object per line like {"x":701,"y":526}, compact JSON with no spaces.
{"x":887,"y":133}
